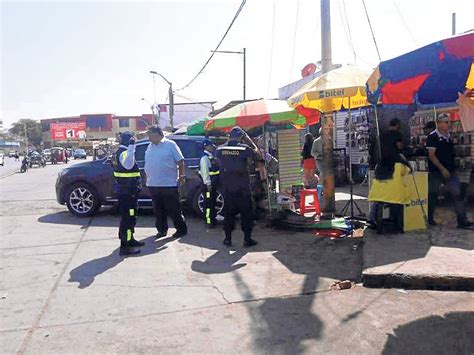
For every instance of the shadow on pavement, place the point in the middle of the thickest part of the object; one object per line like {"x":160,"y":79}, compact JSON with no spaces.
{"x":452,"y":333}
{"x":86,"y":273}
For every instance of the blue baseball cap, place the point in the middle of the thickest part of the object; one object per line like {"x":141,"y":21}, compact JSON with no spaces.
{"x":207,"y":142}
{"x":125,"y":137}
{"x":236,"y":132}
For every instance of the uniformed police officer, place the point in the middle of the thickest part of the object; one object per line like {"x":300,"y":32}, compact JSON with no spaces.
{"x":128,"y":185}
{"x":209,"y":171}
{"x":235,"y":182}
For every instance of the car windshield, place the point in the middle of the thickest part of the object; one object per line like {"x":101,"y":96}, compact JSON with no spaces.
{"x":80,"y":151}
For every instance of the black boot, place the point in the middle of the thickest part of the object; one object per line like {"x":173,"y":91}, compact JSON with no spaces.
{"x":135,"y":243}
{"x":126,"y":251}
{"x":248,"y":241}
{"x":228,"y":240}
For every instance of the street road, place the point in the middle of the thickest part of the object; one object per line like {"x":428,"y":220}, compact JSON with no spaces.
{"x":9,"y":166}
{"x":64,"y":289}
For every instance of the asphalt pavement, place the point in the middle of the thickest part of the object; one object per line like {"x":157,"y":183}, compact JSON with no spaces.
{"x":65,"y":289}
{"x":10,"y":166}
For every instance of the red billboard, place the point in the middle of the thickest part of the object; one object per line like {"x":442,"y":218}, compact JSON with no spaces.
{"x":68,"y":130}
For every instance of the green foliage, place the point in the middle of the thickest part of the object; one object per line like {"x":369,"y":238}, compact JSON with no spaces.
{"x":33,"y":130}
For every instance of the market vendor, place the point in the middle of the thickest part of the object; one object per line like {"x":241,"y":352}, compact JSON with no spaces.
{"x":442,"y":171}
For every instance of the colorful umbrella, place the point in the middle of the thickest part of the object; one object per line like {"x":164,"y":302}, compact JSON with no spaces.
{"x":430,"y":75}
{"x":254,"y":114}
{"x":337,"y":89}
{"x":196,"y":128}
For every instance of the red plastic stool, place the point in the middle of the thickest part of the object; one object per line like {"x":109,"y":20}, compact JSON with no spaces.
{"x":308,"y":208}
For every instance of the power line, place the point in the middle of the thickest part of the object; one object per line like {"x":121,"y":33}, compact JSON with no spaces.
{"x":404,"y":23}
{"x":371,"y":30}
{"x":349,"y":31}
{"x":271,"y":51}
{"x":294,"y":45}
{"x":348,"y":36}
{"x":217,"y":47}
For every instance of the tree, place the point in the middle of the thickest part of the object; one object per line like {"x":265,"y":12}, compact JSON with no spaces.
{"x":33,"y":130}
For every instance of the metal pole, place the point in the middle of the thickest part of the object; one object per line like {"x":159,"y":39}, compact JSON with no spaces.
{"x":453,"y":31}
{"x":171,"y":103}
{"x":245,"y":71}
{"x":26,"y":137}
{"x":327,"y":119}
{"x":326,"y":54}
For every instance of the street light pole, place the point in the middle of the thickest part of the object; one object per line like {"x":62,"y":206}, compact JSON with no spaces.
{"x":244,"y":53}
{"x":155,"y":120}
{"x":170,"y":97}
{"x":26,"y":137}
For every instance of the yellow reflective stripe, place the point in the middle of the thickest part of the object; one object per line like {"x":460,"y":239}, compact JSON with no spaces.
{"x":208,"y":215}
{"x":208,"y":194}
{"x":132,"y":212}
{"x":123,"y":156}
{"x":214,"y":173}
{"x":127,"y":175}
{"x":129,"y":235}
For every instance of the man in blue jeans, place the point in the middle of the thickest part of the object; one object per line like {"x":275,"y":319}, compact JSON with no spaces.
{"x":441,"y":171}
{"x":165,"y":170}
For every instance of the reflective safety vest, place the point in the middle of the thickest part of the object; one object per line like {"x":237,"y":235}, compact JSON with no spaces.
{"x":127,"y":181}
{"x":214,"y":169}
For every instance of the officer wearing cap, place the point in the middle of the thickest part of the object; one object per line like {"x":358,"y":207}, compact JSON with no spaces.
{"x":209,"y":171}
{"x":235,"y":182}
{"x":128,"y":185}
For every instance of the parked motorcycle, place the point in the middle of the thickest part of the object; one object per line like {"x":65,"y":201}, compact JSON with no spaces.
{"x":24,"y":165}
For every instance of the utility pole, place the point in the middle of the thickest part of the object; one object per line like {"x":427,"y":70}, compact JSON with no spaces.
{"x":26,"y":137}
{"x":453,"y":30}
{"x":329,"y":201}
{"x":244,"y":53}
{"x":170,"y":97}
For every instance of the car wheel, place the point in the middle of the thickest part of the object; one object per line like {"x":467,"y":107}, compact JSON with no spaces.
{"x":199,"y":202}
{"x":82,"y":200}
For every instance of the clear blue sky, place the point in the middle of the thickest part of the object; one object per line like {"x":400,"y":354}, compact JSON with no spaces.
{"x":66,"y":58}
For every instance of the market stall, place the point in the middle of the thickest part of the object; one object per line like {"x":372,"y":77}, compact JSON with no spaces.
{"x":434,"y":78}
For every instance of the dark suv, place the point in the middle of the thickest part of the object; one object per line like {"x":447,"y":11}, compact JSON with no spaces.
{"x":85,"y":187}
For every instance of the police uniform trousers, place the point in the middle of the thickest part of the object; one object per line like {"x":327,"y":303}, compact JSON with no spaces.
{"x":210,"y":205}
{"x":238,"y":202}
{"x":128,"y":212}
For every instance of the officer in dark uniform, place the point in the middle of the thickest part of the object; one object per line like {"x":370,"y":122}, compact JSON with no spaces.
{"x":128,"y":185}
{"x":209,"y":171}
{"x":235,"y":182}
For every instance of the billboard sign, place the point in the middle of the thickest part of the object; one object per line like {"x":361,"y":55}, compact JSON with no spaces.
{"x":68,"y":130}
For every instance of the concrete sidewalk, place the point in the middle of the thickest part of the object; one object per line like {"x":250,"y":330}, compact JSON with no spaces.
{"x":441,"y":258}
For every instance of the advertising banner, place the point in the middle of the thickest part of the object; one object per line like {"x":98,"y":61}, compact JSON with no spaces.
{"x":68,"y":130}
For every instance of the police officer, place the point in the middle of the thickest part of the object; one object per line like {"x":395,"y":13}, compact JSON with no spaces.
{"x":235,"y":182}
{"x":209,"y":171}
{"x":128,"y":185}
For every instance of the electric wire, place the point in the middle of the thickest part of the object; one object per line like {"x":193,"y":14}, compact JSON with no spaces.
{"x":271,"y":50}
{"x":404,"y":23}
{"x":349,"y":31}
{"x":371,"y":30}
{"x":217,"y":47}
{"x":294,"y":45}
{"x":348,"y":37}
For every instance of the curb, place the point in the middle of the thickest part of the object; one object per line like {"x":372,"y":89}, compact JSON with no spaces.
{"x":9,"y":174}
{"x":419,"y":282}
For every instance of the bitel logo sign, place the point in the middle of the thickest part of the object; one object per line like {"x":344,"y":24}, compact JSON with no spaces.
{"x":325,"y":94}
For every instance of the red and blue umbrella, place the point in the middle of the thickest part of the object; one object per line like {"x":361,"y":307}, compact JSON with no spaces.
{"x":430,"y":75}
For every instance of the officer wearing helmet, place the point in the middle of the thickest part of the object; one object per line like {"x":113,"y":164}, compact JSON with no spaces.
{"x":128,"y":186}
{"x":209,"y":171}
{"x":235,"y":182}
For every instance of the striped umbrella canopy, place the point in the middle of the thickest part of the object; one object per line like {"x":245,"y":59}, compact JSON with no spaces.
{"x":196,"y":128}
{"x":254,"y":114}
{"x":430,"y":75}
